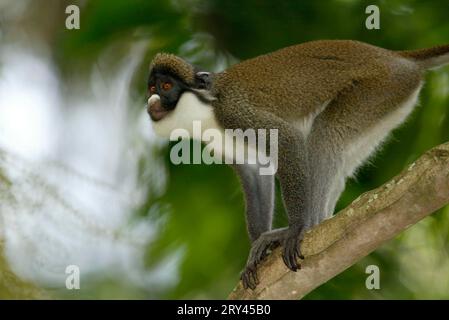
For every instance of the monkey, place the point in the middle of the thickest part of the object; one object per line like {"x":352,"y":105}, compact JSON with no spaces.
{"x":333,"y":103}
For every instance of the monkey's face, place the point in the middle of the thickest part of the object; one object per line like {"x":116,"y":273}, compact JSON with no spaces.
{"x":175,"y":104}
{"x":164,"y":91}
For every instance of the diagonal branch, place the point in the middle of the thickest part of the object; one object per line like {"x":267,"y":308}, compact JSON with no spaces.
{"x":372,"y":219}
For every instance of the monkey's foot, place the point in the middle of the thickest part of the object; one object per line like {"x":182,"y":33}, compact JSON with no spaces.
{"x":288,"y":238}
{"x":266,"y":241}
{"x":292,"y":251}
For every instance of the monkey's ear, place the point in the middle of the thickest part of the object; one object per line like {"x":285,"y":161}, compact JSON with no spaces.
{"x":203,"y":80}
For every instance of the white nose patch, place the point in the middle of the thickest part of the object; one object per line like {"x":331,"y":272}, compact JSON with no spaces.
{"x":153,"y":98}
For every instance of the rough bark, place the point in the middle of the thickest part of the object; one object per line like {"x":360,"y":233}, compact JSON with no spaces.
{"x":372,"y":219}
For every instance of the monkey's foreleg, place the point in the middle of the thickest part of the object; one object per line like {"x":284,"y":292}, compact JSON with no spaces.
{"x":293,"y":166}
{"x":259,"y":199}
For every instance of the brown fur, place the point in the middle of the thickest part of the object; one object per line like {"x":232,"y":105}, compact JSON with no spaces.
{"x":428,"y":58}
{"x":295,"y":81}
{"x":175,"y":65}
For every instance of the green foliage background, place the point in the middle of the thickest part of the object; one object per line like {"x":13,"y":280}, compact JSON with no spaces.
{"x":203,"y":204}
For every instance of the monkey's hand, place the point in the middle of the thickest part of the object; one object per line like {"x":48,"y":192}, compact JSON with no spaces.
{"x":287,"y":237}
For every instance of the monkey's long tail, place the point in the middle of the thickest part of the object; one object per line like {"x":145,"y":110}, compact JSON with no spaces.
{"x":429,"y":58}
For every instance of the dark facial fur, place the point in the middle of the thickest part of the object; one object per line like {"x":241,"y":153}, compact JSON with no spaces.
{"x":164,"y":73}
{"x":170,"y":97}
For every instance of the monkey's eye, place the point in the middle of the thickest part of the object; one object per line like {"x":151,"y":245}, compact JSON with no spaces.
{"x":167,"y":86}
{"x":152,"y":89}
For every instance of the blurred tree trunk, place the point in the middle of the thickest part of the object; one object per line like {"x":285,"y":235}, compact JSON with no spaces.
{"x":12,"y":287}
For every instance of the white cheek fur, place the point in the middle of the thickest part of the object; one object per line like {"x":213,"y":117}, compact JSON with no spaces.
{"x":188,"y":109}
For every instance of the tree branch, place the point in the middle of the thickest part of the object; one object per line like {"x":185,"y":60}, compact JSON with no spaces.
{"x":372,"y":219}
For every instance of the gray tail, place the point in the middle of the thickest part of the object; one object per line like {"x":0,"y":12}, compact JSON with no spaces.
{"x":428,"y":58}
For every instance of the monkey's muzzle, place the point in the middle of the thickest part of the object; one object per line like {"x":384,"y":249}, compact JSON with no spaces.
{"x":155,"y":108}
